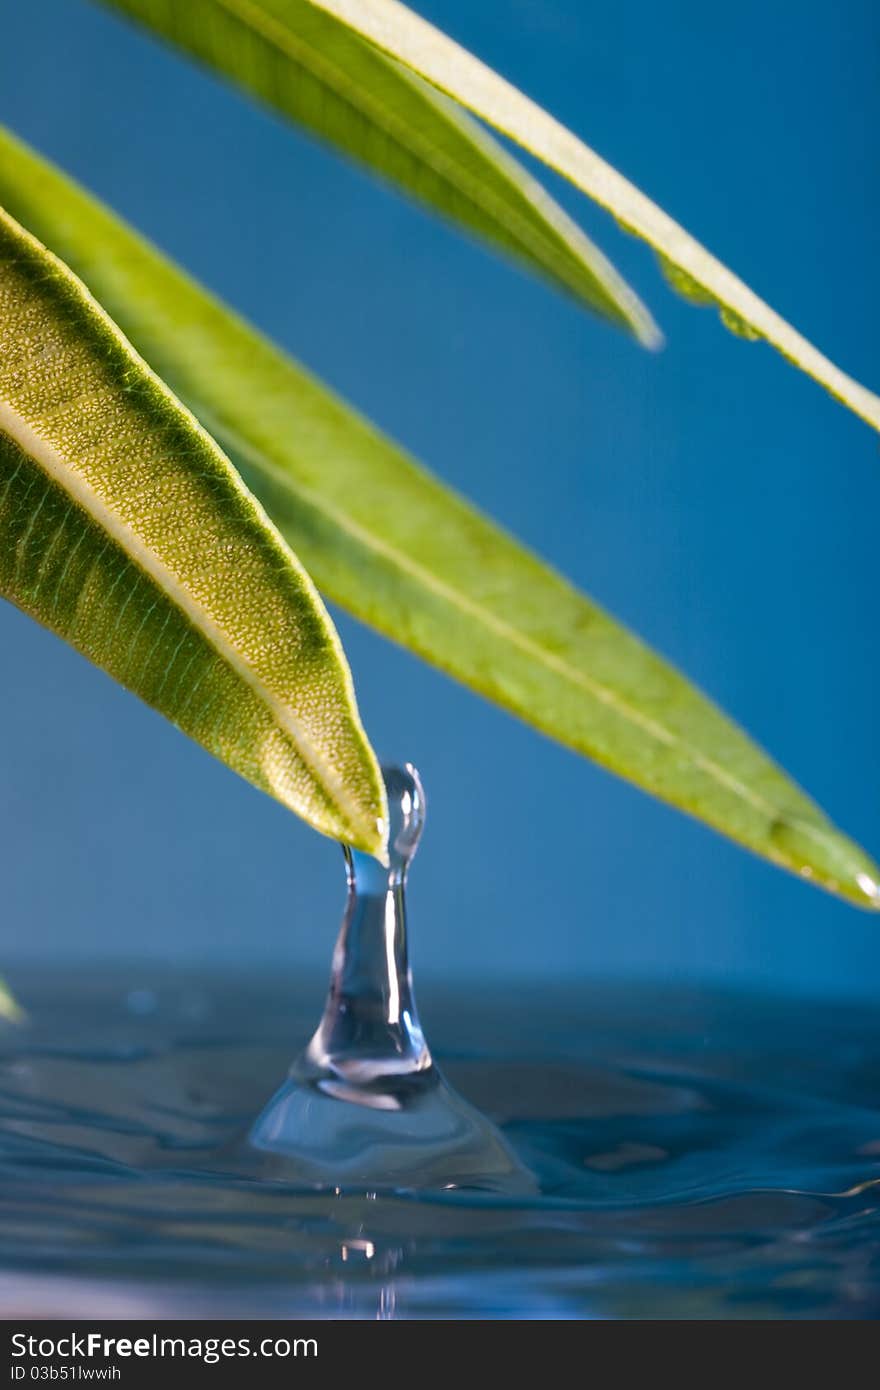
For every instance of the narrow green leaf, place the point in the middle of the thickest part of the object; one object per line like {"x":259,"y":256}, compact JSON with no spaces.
{"x":390,"y":543}
{"x":315,"y":71}
{"x":406,"y":37}
{"x":124,"y":529}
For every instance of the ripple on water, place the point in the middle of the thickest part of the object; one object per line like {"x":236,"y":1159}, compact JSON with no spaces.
{"x":695,"y":1154}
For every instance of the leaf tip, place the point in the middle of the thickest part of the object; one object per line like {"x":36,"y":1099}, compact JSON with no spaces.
{"x":643,"y":326}
{"x":651,"y":336}
{"x":637,"y":317}
{"x":374,"y":842}
{"x":379,"y":849}
{"x":821,"y":854}
{"x":370,"y":834}
{"x":869,"y":886}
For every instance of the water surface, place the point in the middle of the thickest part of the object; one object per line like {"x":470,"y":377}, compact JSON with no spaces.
{"x":695,"y":1154}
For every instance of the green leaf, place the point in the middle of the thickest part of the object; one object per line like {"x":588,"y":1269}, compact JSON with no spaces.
{"x":124,"y":529}
{"x":390,"y":543}
{"x":315,"y":71}
{"x":404,"y":36}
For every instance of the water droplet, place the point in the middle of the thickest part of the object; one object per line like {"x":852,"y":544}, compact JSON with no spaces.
{"x":689,"y":288}
{"x":738,"y":325}
{"x":683,"y":283}
{"x":365,"y":1105}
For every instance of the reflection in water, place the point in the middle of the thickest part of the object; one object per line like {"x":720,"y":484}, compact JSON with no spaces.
{"x":365,"y":1103}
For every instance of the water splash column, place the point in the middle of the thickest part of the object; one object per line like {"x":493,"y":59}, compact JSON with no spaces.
{"x":364,"y":1104}
{"x":369,"y":1040}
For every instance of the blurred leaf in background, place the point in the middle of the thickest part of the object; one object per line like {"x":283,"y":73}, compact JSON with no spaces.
{"x":315,"y":71}
{"x":690,"y":268}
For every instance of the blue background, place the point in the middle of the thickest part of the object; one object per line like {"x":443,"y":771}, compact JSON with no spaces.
{"x":714,"y":499}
